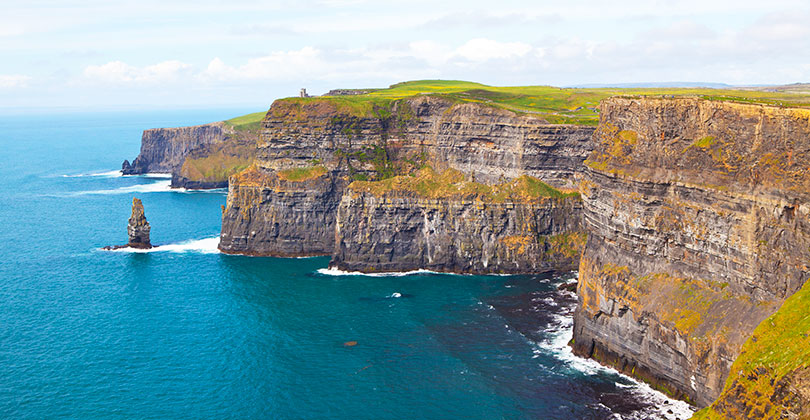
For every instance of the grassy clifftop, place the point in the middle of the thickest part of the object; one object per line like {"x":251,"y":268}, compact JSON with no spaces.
{"x":556,"y":105}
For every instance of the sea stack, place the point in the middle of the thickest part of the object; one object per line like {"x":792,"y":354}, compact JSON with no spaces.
{"x":138,"y":228}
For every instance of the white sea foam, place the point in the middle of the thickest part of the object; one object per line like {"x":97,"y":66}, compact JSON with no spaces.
{"x":154,"y":175}
{"x":108,"y":174}
{"x":202,"y":246}
{"x":118,"y":173}
{"x":561,"y":333}
{"x":335,"y":272}
{"x":331,"y":271}
{"x":159,"y":186}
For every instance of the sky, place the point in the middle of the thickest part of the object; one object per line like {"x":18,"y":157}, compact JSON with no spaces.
{"x":107,"y":54}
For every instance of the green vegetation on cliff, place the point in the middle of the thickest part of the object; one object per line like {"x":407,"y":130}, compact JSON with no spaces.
{"x":302,"y":174}
{"x":771,"y":376}
{"x":429,"y":183}
{"x":553,"y":104}
{"x":214,"y":163}
{"x":249,"y":122}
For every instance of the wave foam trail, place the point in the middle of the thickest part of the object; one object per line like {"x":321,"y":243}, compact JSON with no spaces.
{"x":160,"y":186}
{"x":202,"y":246}
{"x":335,"y":272}
{"x":108,"y":174}
{"x":660,"y":406}
{"x":160,"y":175}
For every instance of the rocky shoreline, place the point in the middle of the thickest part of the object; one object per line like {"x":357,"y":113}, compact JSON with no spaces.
{"x":687,"y":218}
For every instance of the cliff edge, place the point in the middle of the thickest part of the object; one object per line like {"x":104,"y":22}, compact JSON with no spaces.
{"x":198,"y":157}
{"x":698,"y":219}
{"x":319,"y":161}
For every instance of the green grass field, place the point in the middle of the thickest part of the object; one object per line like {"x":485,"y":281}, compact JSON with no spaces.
{"x":556,"y":105}
{"x":249,"y":122}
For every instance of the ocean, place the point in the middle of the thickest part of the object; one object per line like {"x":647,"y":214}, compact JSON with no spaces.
{"x":183,"y":331}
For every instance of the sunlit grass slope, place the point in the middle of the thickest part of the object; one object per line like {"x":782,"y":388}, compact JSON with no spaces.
{"x":556,"y":105}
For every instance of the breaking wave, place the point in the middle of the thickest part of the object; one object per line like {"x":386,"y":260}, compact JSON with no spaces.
{"x":659,"y":406}
{"x":159,"y":186}
{"x":202,"y":246}
{"x":108,"y":174}
{"x":335,"y":272}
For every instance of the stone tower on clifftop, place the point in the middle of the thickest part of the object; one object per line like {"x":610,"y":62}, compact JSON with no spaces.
{"x":138,"y":228}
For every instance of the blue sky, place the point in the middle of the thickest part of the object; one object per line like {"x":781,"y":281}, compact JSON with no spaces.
{"x":101,"y":54}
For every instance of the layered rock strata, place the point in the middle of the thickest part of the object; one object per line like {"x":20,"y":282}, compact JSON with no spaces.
{"x":138,"y":228}
{"x":163,"y":150}
{"x":489,"y":145}
{"x":405,"y":231}
{"x":269,"y":214}
{"x":698,"y":215}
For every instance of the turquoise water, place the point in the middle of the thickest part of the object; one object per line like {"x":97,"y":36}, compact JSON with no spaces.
{"x":185,"y":332}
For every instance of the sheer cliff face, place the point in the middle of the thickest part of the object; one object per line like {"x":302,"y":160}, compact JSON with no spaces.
{"x":399,"y":232}
{"x":698,"y":220}
{"x":487,"y":144}
{"x":271,"y":216}
{"x":493,"y":144}
{"x":163,"y":150}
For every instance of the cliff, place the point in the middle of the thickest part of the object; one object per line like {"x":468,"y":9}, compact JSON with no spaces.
{"x":163,"y":150}
{"x":442,"y":222}
{"x":770,"y":378}
{"x":198,"y":157}
{"x":378,"y":141}
{"x":282,"y":214}
{"x":697,"y":216}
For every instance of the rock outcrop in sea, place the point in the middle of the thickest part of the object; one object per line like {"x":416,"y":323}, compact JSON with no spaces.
{"x":138,"y":228}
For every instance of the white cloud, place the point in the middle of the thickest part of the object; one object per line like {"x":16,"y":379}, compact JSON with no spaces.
{"x":278,"y":65}
{"x":481,"y":49}
{"x":12,"y":81}
{"x":781,"y":27}
{"x":118,"y":72}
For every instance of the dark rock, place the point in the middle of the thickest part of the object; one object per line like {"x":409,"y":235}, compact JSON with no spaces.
{"x":401,"y":232}
{"x":163,"y":150}
{"x":179,"y":181}
{"x":490,"y":145}
{"x":126,"y":168}
{"x":571,"y":287}
{"x":138,"y":228}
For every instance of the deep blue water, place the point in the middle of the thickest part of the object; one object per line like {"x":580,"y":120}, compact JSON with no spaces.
{"x":185,"y":332}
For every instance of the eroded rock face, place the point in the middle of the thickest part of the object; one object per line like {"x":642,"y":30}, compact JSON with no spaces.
{"x":163,"y":150}
{"x":488,"y":143}
{"x":299,"y":218}
{"x":266,"y":215}
{"x":698,"y":215}
{"x":401,"y":232}
{"x":138,"y":228}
